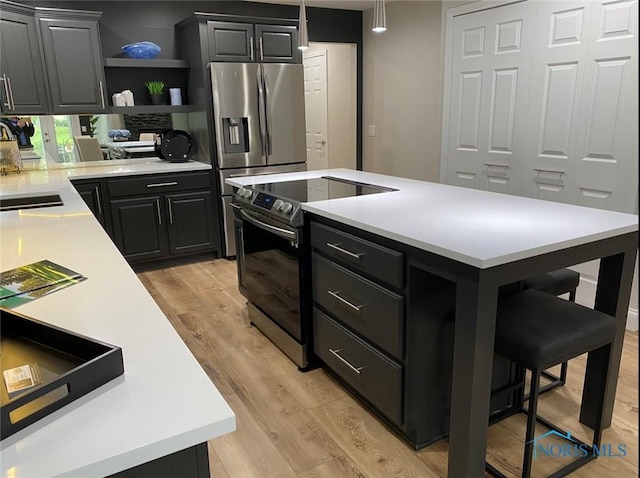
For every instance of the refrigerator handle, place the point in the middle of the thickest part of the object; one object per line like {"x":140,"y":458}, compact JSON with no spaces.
{"x":267,"y":108}
{"x":262,"y":115}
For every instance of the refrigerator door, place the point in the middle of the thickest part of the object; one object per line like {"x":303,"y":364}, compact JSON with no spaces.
{"x":236,"y":112}
{"x":284,"y":111}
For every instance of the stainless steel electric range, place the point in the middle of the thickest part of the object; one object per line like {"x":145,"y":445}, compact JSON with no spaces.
{"x":271,"y":250}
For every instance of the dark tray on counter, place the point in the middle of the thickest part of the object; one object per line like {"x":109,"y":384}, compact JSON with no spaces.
{"x":69,"y":366}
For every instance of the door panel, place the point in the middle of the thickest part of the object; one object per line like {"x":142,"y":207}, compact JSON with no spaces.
{"x":556,"y":89}
{"x":284,"y":90}
{"x":22,"y":66}
{"x":277,"y":44}
{"x":606,"y":173}
{"x":235,"y":99}
{"x":489,"y":97}
{"x":138,"y":228}
{"x":315,"y":96}
{"x":190,"y":222}
{"x":229,"y":41}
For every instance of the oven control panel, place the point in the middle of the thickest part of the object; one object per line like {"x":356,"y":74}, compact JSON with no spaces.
{"x":280,"y":208}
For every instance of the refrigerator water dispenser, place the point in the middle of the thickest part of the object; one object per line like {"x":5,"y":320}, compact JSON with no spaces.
{"x":236,"y":134}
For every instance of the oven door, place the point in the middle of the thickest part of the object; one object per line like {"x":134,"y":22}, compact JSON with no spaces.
{"x":269,"y":268}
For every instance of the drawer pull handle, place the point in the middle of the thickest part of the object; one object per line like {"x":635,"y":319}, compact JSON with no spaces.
{"x":357,"y":370}
{"x":157,"y":185}
{"x":345,"y":301}
{"x":344,"y":251}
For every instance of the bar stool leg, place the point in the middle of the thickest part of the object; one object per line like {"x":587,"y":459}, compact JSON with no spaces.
{"x":531,"y":423}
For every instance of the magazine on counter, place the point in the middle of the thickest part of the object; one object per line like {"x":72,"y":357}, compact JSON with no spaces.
{"x":32,"y":281}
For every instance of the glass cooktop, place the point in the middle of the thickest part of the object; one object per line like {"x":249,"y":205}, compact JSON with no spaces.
{"x":318,"y":189}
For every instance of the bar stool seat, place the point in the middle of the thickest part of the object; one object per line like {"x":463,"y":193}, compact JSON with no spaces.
{"x":538,"y":330}
{"x":558,"y":282}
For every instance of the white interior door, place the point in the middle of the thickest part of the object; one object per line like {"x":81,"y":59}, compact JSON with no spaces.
{"x":489,"y":88}
{"x":315,"y":94}
{"x":556,"y":91}
{"x":606,"y":173}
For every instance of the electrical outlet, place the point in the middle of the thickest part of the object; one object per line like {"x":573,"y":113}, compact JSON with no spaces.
{"x":372,"y":130}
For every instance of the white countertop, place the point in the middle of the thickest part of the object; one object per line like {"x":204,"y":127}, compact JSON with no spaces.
{"x":478,"y":228}
{"x":164,"y":402}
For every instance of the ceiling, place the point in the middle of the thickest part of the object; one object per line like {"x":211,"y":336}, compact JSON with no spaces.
{"x":340,"y":4}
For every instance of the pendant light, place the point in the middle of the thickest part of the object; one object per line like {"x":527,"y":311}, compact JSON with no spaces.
{"x":379,"y":17}
{"x":303,"y":35}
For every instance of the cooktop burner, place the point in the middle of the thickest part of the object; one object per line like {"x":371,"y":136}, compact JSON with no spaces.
{"x":283,"y":200}
{"x":318,"y":189}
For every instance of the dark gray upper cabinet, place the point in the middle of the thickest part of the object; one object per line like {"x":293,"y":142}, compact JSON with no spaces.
{"x":249,"y":42}
{"x":230,"y":41}
{"x":23,"y":90}
{"x":73,"y":59}
{"x":277,"y":44}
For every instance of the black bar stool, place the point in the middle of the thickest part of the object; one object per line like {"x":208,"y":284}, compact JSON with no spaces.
{"x":559,"y":282}
{"x":537,"y":331}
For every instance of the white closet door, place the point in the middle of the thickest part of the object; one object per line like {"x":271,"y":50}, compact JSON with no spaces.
{"x":556,"y":90}
{"x":491,"y":69}
{"x":606,"y":173}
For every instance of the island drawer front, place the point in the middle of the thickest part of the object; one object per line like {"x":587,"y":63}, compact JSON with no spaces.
{"x":372,"y":311}
{"x":374,"y":376}
{"x":361,"y":255}
{"x":158,"y":184}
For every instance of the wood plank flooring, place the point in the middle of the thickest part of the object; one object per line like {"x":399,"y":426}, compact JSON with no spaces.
{"x":292,"y":424}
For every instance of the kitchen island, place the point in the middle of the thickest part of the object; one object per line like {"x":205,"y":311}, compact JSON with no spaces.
{"x":479,"y":241}
{"x":164,"y":403}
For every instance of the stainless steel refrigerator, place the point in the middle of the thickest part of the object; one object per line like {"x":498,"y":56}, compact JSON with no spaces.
{"x":258,"y":110}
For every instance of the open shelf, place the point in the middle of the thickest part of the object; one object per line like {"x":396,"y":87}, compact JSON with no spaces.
{"x":134,"y":63}
{"x":147,"y":109}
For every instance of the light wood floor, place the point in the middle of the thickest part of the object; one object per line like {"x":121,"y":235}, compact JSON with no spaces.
{"x":292,"y":424}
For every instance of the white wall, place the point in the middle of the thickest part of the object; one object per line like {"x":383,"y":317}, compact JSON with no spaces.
{"x":341,"y":102}
{"x":402,"y":91}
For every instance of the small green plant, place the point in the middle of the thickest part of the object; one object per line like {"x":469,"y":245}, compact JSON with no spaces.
{"x":93,"y":126}
{"x":155,"y":87}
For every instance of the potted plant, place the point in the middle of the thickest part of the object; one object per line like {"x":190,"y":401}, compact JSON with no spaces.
{"x":156,"y":91}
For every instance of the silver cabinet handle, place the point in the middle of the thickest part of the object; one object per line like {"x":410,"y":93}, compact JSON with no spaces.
{"x":261,"y":49}
{"x":251,"y":48}
{"x":157,"y":185}
{"x":6,"y":91}
{"x":159,"y":215}
{"x":336,"y":294}
{"x":98,"y":201}
{"x":344,"y":251}
{"x":13,"y":103}
{"x":169,"y":205}
{"x":357,"y":370}
{"x":102,"y":94}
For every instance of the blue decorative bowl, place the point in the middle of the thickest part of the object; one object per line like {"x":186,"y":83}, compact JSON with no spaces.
{"x":119,"y":134}
{"x":144,"y":50}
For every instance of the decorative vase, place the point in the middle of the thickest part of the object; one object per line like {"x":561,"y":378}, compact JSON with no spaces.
{"x":157,"y":99}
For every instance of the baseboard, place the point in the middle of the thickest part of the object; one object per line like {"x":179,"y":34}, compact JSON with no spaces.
{"x":586,"y":295}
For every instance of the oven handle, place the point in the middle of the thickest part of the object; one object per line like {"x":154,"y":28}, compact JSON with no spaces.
{"x":278,"y":231}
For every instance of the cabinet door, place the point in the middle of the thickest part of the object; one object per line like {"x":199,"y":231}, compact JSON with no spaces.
{"x":278,"y":44}
{"x":190,"y":224}
{"x":230,"y":41}
{"x":91,"y":194}
{"x":74,"y":65}
{"x":138,"y":228}
{"x":23,"y":86}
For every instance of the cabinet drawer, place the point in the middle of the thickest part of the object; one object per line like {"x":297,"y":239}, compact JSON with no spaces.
{"x":369,"y":372}
{"x":158,"y":184}
{"x":372,"y":311}
{"x":359,"y":254}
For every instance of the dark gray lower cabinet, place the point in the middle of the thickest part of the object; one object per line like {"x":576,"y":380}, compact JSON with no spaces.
{"x":156,"y":219}
{"x":383,"y":327}
{"x":188,"y":227}
{"x":192,"y":462}
{"x":138,"y":228}
{"x":91,"y":193}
